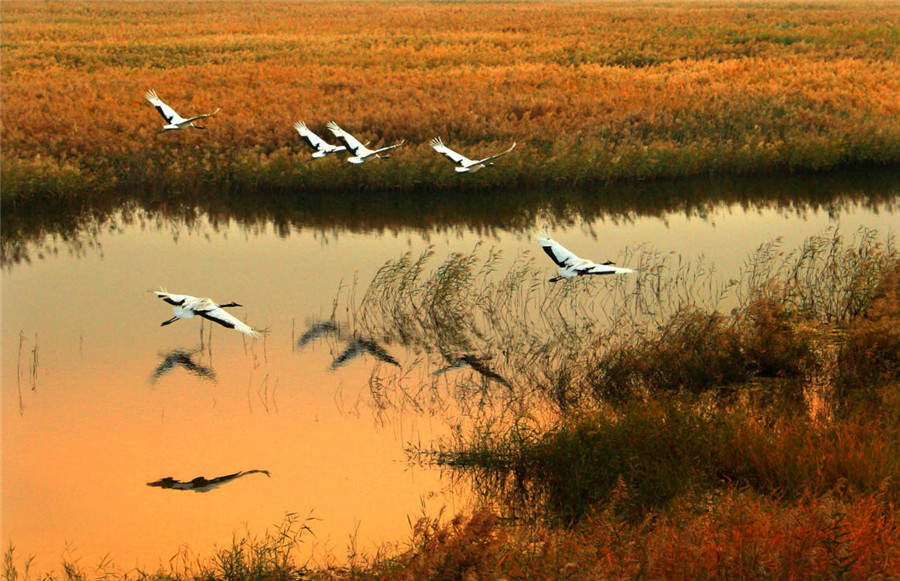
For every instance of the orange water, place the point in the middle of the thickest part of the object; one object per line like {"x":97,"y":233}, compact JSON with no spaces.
{"x":85,"y":428}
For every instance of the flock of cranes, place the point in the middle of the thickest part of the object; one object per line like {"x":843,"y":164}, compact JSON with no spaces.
{"x":359,"y":151}
{"x":186,"y":306}
{"x":568,"y":265}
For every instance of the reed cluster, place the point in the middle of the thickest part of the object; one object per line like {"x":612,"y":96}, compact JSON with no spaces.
{"x":591,"y":92}
{"x":637,"y":414}
{"x":735,"y":534}
{"x":269,"y":556}
{"x":672,"y":328}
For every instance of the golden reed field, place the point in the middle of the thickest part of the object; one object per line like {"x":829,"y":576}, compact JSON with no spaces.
{"x":591,"y":91}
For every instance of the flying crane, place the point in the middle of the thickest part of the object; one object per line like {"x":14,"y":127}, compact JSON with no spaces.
{"x":360,"y":152}
{"x":463,"y":163}
{"x":571,"y":265}
{"x":186,"y":306}
{"x":174,"y":120}
{"x":320,"y":146}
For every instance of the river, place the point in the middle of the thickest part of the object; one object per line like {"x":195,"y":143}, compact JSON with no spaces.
{"x":91,"y":413}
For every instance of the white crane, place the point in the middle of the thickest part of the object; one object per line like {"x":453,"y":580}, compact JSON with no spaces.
{"x":173,"y":119}
{"x":571,"y":266}
{"x":186,"y":306}
{"x":463,"y":163}
{"x":320,"y":146}
{"x":360,"y":152}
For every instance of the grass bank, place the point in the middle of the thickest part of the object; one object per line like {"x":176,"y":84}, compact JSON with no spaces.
{"x":591,"y":92}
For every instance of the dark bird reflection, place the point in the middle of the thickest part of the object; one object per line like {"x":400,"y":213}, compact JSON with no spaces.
{"x":201,"y":484}
{"x":355,"y":346}
{"x":181,"y":358}
{"x":476,"y":362}
{"x":360,"y":345}
{"x":316,"y":330}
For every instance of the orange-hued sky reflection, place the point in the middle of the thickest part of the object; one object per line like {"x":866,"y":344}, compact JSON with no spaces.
{"x":85,"y":427}
{"x":92,"y":434}
{"x":83,"y":437}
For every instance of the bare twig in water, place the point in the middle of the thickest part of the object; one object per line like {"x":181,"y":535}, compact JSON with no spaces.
{"x":19,"y":372}
{"x":34,"y":364}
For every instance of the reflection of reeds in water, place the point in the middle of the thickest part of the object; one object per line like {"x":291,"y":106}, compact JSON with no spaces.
{"x":565,"y":345}
{"x":32,"y":368}
{"x":204,"y":344}
{"x":266,"y":397}
{"x":77,"y":225}
{"x":533,"y":332}
{"x":19,"y":372}
{"x":34,"y":363}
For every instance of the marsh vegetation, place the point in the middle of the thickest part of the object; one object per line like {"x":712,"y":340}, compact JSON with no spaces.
{"x":667,"y":424}
{"x":591,"y":92}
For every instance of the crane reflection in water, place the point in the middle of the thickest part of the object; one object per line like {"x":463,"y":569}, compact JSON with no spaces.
{"x":201,"y":484}
{"x":356,"y":345}
{"x":185,"y":359}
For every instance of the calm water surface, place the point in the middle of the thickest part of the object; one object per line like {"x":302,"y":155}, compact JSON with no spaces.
{"x":87,"y":420}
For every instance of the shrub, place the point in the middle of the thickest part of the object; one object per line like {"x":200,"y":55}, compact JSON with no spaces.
{"x":694,"y":352}
{"x":869,"y":357}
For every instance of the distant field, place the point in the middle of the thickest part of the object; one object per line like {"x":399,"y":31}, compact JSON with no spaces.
{"x":591,"y":91}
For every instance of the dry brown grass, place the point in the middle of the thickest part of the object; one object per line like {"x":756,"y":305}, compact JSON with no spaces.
{"x":591,"y":91}
{"x":738,"y":535}
{"x":870,"y":356}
